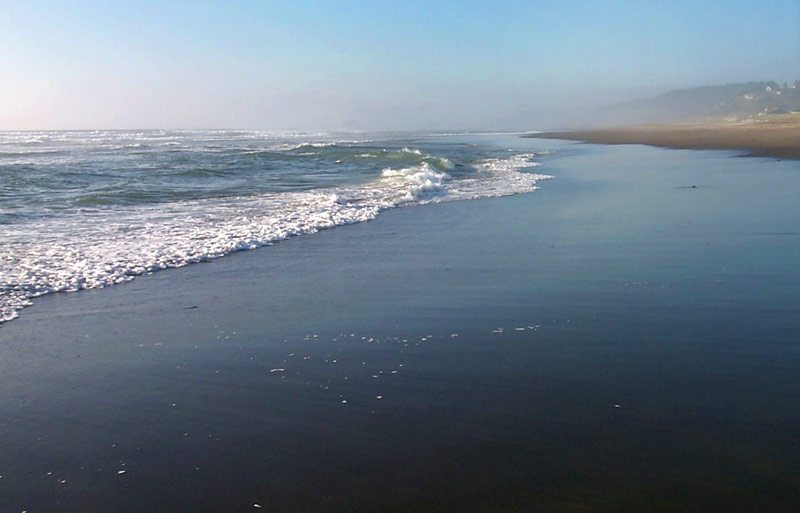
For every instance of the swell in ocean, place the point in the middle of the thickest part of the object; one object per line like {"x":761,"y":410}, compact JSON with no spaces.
{"x":85,"y":210}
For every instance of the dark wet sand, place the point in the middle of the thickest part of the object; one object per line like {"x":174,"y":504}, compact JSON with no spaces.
{"x":647,"y":360}
{"x":778,"y":138}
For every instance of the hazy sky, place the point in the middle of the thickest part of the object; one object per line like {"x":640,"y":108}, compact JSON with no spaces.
{"x":371,"y":64}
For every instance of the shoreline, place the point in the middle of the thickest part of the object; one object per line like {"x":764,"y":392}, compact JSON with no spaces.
{"x":594,"y":345}
{"x":777,"y":137}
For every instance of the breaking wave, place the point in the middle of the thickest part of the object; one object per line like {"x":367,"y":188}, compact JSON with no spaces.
{"x":113,"y":243}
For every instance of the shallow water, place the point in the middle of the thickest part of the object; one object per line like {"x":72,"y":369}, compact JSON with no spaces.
{"x":81,"y":210}
{"x":615,"y":341}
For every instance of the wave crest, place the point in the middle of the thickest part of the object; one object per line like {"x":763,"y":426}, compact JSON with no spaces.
{"x":111,"y":246}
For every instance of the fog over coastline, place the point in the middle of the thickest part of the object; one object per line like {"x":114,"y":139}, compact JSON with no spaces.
{"x":367,"y":66}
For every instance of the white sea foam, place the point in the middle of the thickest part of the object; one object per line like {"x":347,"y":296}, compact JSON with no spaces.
{"x":411,"y":183}
{"x":322,"y":144}
{"x":105,"y":247}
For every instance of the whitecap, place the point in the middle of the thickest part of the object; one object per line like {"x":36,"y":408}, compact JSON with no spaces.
{"x":76,"y":251}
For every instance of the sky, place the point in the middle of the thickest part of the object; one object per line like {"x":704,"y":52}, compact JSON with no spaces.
{"x":372,"y":64}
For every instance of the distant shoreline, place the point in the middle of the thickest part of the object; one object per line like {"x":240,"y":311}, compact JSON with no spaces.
{"x":775,"y":136}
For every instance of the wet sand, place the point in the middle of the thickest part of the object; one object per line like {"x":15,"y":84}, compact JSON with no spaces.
{"x":777,"y":137}
{"x":617,"y":341}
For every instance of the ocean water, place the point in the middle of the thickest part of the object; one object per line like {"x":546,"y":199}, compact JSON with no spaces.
{"x":89,"y":209}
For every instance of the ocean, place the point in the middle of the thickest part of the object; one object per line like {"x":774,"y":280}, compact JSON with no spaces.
{"x":89,"y":209}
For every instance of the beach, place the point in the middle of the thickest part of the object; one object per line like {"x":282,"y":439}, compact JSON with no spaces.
{"x":775,"y":136}
{"x":624,"y":338}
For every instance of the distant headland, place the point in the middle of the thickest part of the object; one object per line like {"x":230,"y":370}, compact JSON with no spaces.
{"x":758,"y":118}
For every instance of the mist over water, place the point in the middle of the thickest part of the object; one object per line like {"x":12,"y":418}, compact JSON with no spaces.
{"x":90,"y":209}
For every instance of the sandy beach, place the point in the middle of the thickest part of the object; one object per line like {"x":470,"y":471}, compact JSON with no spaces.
{"x":618,"y":340}
{"x":774,"y":136}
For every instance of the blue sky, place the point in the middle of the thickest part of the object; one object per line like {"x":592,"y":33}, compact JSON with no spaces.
{"x":315,"y":64}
